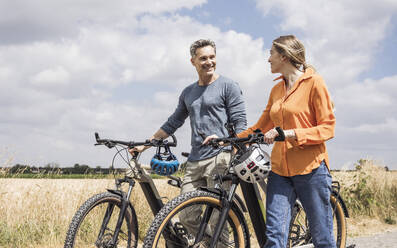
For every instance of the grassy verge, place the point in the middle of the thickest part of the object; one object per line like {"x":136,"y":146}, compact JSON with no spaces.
{"x":370,"y":191}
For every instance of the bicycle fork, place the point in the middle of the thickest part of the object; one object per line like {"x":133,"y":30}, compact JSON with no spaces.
{"x":227,"y":201}
{"x":124,"y":204}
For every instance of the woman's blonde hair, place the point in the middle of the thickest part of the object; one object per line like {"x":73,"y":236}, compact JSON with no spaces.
{"x":293,"y":49}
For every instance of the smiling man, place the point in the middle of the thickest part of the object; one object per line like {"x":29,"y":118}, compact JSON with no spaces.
{"x":210,"y":102}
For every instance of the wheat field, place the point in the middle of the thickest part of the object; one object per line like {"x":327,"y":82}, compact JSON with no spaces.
{"x":37,"y":212}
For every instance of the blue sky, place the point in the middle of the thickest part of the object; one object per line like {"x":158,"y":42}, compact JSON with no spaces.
{"x":70,"y":68}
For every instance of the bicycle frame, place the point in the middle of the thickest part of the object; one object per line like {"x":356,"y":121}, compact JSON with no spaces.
{"x":139,"y":174}
{"x":229,"y":201}
{"x":254,"y":206}
{"x":253,"y":203}
{"x":256,"y":210}
{"x":150,"y":191}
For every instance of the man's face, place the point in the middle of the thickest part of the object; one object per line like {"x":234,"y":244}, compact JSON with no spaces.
{"x":205,"y":61}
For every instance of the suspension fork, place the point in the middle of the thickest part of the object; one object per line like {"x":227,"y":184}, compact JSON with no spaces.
{"x":203,"y":224}
{"x":105,"y":221}
{"x":125,"y":200}
{"x":124,"y":204}
{"x":227,"y":202}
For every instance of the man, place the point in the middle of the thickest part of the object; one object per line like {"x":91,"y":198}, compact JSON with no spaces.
{"x":210,"y":102}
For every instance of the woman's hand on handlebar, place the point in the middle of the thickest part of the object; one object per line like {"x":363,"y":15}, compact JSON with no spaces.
{"x":270,"y":136}
{"x":277,"y":134}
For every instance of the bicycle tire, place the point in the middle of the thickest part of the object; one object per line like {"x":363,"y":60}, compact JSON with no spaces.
{"x":84,"y":228}
{"x":235,"y":223}
{"x":299,"y":232}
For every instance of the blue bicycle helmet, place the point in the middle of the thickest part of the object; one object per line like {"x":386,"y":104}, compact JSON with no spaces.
{"x":164,"y":163}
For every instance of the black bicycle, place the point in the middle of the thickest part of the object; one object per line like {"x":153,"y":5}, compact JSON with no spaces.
{"x":108,"y":219}
{"x":222,"y":219}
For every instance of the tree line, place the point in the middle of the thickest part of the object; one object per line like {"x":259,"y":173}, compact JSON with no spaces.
{"x":54,"y":168}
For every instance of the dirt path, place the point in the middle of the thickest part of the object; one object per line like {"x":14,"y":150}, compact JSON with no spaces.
{"x":387,"y":239}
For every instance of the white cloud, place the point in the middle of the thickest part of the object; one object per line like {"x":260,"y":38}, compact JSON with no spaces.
{"x":70,"y":68}
{"x":341,"y":36}
{"x":369,"y":95}
{"x":56,"y":93}
{"x":25,"y":21}
{"x":389,"y":126}
{"x":50,"y":77}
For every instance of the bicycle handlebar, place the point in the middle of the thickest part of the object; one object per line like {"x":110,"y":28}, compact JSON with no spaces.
{"x":252,"y":138}
{"x":256,"y":137}
{"x":131,"y":144}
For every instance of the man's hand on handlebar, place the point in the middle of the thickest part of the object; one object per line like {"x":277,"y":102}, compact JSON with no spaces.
{"x":138,"y":149}
{"x":159,"y":135}
{"x":209,"y":138}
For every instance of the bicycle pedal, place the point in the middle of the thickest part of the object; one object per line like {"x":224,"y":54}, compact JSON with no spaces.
{"x":174,"y":183}
{"x":180,"y":229}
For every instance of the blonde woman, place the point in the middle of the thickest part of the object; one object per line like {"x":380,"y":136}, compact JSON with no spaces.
{"x":300,"y":104}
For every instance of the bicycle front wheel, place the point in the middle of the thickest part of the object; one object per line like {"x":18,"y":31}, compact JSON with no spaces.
{"x":94,"y":224}
{"x":299,"y":233}
{"x":189,"y":221}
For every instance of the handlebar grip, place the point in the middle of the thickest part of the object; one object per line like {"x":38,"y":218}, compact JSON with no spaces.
{"x":281,"y":135}
{"x":174,"y":141}
{"x":96,"y":136}
{"x":213,"y":143}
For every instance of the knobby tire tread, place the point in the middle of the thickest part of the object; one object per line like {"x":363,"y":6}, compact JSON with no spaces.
{"x":88,"y":206}
{"x":173,"y":204}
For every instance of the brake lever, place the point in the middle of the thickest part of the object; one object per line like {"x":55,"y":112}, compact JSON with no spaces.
{"x":109,"y":144}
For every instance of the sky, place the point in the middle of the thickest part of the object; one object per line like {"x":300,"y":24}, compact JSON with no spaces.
{"x":69,"y":68}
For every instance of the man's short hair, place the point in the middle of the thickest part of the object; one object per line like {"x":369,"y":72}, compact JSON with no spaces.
{"x":201,"y":43}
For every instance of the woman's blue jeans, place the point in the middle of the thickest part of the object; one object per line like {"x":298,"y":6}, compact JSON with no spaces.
{"x":314,"y":191}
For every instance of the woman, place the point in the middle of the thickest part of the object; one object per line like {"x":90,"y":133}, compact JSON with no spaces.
{"x":301,"y":105}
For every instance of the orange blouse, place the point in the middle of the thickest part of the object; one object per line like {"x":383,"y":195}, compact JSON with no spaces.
{"x":308,"y":110}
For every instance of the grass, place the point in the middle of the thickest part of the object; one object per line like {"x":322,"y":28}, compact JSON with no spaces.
{"x":37,"y":212}
{"x":54,"y":173}
{"x":57,"y":176}
{"x":370,"y":191}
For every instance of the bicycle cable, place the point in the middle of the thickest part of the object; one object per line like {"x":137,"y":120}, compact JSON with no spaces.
{"x":119,"y":150}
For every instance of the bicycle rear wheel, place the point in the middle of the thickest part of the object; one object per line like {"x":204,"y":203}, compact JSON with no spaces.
{"x":167,"y":229}
{"x":299,"y":233}
{"x":94,"y":223}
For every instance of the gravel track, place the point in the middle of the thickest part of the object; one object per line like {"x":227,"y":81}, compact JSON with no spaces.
{"x":387,"y":239}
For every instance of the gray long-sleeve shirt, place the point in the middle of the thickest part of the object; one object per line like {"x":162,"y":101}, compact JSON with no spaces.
{"x":209,"y":108}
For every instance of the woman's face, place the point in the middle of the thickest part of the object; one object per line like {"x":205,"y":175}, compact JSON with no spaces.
{"x":276,"y":60}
